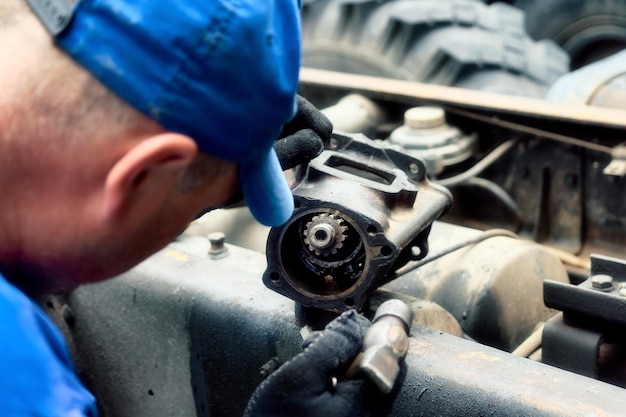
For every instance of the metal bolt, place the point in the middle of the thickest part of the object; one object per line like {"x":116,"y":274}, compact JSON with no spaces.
{"x":217,"y":249}
{"x":602,"y":282}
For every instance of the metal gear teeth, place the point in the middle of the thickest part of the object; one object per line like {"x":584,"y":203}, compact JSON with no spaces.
{"x":337,"y":223}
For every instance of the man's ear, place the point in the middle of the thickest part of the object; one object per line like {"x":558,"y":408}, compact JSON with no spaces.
{"x":152,"y":165}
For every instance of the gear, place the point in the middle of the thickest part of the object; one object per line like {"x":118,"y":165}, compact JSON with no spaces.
{"x":324,"y":234}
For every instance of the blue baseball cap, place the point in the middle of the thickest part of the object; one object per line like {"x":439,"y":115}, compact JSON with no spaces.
{"x":224,"y":72}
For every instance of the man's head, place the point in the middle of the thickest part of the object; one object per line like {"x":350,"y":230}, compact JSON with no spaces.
{"x":97,"y":184}
{"x":223,"y":72}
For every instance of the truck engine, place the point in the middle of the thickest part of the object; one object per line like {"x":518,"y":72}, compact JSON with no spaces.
{"x":496,"y":215}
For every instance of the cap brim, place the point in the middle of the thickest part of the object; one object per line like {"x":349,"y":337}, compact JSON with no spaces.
{"x":266,"y":191}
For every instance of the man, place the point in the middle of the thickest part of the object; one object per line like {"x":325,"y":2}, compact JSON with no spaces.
{"x":119,"y":121}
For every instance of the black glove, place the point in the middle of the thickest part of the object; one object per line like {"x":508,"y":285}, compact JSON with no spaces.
{"x":302,"y":139}
{"x":303,"y":387}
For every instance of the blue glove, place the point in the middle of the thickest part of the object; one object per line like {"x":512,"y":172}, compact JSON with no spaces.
{"x":303,"y":387}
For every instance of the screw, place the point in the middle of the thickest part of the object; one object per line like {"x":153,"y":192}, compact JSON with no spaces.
{"x":602,"y":282}
{"x":217,"y":249}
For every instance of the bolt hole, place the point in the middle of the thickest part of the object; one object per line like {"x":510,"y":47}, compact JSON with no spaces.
{"x":150,"y":392}
{"x":416,"y":252}
{"x":274,"y":277}
{"x":349,"y":302}
{"x":413,"y":169}
{"x":371,"y":229}
{"x":385,"y":251}
{"x":321,"y":235}
{"x":333,"y":143}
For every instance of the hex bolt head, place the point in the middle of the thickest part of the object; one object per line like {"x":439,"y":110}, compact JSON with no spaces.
{"x":602,"y":282}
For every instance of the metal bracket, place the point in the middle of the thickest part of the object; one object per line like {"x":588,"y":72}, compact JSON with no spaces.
{"x":594,"y":312}
{"x":571,"y":348}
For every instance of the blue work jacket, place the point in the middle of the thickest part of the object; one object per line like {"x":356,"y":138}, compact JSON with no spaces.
{"x":37,"y":377}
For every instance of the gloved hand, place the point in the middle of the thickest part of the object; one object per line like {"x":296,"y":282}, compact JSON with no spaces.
{"x":302,"y":139}
{"x":303,"y":386}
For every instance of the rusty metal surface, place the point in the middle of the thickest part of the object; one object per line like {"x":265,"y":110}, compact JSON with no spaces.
{"x":493,"y":288}
{"x":448,"y":376}
{"x":386,"y":343}
{"x":186,"y":335}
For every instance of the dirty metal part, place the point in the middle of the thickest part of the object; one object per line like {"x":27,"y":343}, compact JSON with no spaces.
{"x":386,"y":344}
{"x":493,"y":287}
{"x":324,"y":234}
{"x":588,"y":337}
{"x":539,"y":189}
{"x":354,"y":113}
{"x":426,"y":135}
{"x":553,"y":173}
{"x":217,"y":248}
{"x":592,"y":299}
{"x":561,"y":196}
{"x":425,"y":313}
{"x":450,"y":376}
{"x":194,"y":332}
{"x":546,"y":179}
{"x":488,"y":234}
{"x":570,"y":347}
{"x":363,"y":209}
